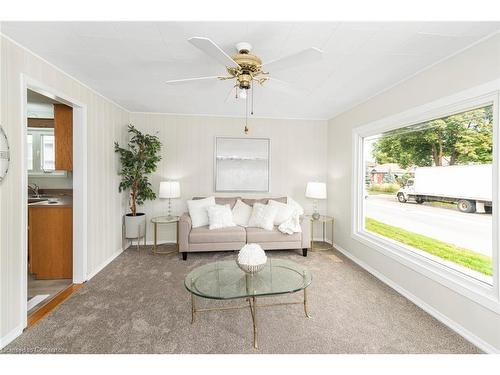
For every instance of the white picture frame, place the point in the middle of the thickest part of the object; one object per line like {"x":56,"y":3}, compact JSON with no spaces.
{"x":241,"y":164}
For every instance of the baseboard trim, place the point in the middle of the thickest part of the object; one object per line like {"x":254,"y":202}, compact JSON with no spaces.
{"x":458,"y":328}
{"x":104,"y":264}
{"x":11,"y":336}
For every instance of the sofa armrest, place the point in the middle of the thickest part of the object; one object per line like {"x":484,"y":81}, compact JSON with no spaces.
{"x":184,"y":230}
{"x":305,"y":225}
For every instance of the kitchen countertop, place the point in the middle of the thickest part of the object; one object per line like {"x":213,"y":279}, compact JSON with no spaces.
{"x":62,"y":201}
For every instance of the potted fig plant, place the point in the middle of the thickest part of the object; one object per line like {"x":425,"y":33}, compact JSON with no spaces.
{"x":138,"y":161}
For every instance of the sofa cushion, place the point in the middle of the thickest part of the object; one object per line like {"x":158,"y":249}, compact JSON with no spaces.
{"x":241,"y":213}
{"x":205,"y":235}
{"x":198,"y":211}
{"x":231,"y":201}
{"x":250,"y":201}
{"x":262,"y":216}
{"x":220,"y":216}
{"x":284,"y":212}
{"x":259,"y":235}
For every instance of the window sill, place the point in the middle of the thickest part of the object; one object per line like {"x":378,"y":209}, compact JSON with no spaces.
{"x":476,"y":290}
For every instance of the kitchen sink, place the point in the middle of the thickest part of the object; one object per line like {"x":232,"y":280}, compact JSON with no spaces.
{"x":37,"y":200}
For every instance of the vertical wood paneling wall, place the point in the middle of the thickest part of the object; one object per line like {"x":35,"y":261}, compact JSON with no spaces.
{"x":106,"y":122}
{"x":298,"y":155}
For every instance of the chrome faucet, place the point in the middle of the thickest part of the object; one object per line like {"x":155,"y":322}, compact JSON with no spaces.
{"x":34,"y":188}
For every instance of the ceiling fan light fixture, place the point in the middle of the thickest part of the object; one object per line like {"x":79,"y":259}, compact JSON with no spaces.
{"x":246,"y":68}
{"x":242,"y":94}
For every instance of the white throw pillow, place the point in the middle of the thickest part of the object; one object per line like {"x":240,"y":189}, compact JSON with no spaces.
{"x":263,"y":216}
{"x":284,"y":211}
{"x":295,"y":205}
{"x":241,"y":213}
{"x":198,"y":211}
{"x":220,"y":216}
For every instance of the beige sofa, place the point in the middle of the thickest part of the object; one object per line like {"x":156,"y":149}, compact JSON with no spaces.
{"x":234,"y":238}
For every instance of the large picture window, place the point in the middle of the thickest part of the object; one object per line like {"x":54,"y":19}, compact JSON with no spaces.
{"x":426,"y":190}
{"x":429,"y":187}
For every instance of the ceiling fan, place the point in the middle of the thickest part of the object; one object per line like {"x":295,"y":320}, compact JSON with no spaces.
{"x":246,"y":68}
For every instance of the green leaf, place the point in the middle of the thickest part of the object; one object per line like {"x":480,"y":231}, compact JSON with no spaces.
{"x":138,"y":161}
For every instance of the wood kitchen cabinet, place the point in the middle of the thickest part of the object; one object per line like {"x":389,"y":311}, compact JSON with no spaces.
{"x":50,"y":242}
{"x":63,"y":136}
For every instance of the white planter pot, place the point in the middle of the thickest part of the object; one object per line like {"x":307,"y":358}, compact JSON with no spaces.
{"x":135,"y":226}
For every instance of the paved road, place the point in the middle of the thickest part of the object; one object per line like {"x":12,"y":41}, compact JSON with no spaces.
{"x":471,"y":231}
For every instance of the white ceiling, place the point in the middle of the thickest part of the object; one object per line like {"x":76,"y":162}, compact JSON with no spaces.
{"x":129,"y":61}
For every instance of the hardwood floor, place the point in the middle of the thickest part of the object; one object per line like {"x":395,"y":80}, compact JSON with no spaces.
{"x":39,"y":314}
{"x":51,"y":287}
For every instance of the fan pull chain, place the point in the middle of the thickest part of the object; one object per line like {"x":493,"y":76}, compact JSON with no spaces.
{"x":253,"y":87}
{"x":246,"y":115}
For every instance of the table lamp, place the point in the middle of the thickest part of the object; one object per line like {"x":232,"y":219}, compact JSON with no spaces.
{"x":169,"y":189}
{"x":316,"y":190}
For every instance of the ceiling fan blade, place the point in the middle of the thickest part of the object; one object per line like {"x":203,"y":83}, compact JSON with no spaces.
{"x":213,"y":50}
{"x":230,"y":94}
{"x":283,"y":86}
{"x":191,"y":79}
{"x":303,"y":57}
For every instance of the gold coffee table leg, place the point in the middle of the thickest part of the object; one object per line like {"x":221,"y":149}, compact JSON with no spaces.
{"x":193,"y":309}
{"x":305,"y":303}
{"x":253,"y":310}
{"x":193,"y":306}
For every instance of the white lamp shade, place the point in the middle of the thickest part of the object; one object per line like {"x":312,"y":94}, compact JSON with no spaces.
{"x":316,"y":190}
{"x":169,"y":189}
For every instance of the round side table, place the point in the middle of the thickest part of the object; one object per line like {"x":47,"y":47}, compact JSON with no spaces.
{"x":323,"y":220}
{"x":162,"y":220}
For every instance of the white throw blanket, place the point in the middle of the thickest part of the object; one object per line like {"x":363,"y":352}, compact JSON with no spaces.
{"x":292,"y":224}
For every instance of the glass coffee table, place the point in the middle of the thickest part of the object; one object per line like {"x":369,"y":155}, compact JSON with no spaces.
{"x":226,"y":281}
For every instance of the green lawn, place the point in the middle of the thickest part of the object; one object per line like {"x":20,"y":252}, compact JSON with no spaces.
{"x":370,"y":192}
{"x":459,"y":255}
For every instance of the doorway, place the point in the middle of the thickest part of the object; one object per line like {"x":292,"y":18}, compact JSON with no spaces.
{"x":54,"y":230}
{"x":50,"y":198}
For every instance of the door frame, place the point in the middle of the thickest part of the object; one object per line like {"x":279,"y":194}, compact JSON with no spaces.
{"x":79,"y":185}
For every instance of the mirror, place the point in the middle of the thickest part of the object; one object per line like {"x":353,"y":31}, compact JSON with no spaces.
{"x":4,"y":154}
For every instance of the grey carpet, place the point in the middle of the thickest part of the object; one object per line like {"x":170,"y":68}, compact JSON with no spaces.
{"x":138,"y":304}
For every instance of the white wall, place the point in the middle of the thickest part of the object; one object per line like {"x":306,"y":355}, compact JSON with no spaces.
{"x":105,"y":124}
{"x":474,"y":66}
{"x":298,"y":155}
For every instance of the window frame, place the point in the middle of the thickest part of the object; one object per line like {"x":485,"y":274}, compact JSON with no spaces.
{"x":486,"y":294}
{"x":37,"y":154}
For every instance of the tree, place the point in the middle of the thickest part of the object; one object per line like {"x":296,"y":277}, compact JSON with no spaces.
{"x":137,"y":162}
{"x":461,"y":138}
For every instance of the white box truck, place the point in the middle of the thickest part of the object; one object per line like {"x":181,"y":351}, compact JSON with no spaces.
{"x":469,"y":186}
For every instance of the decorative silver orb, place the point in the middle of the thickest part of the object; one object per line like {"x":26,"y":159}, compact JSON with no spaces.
{"x":251,"y":258}
{"x":251,"y":268}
